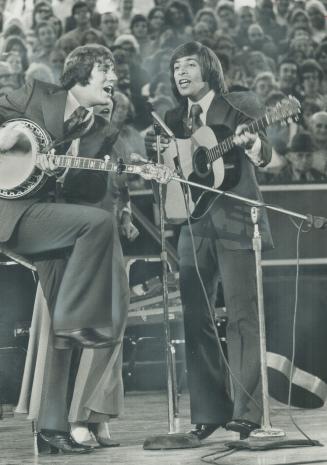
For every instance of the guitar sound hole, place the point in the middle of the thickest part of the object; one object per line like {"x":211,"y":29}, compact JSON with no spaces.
{"x":201,"y":165}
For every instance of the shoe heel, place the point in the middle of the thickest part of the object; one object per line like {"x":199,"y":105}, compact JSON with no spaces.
{"x":42,"y":447}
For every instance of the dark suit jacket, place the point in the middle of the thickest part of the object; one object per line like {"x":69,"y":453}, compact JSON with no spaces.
{"x":231,"y":219}
{"x":45,"y":104}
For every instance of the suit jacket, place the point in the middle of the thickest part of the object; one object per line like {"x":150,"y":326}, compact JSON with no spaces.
{"x":45,"y":104}
{"x":231,"y":219}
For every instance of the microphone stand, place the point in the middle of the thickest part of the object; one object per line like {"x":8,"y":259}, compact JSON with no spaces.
{"x":265,"y":437}
{"x":172,"y":440}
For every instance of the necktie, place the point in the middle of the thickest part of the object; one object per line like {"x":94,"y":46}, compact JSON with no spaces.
{"x":78,"y":123}
{"x":195,"y":113}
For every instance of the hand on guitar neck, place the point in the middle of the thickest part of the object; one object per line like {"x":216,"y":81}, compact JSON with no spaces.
{"x":250,"y":142}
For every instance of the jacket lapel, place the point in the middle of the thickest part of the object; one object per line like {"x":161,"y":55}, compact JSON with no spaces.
{"x":53,"y":107}
{"x":217,"y":113}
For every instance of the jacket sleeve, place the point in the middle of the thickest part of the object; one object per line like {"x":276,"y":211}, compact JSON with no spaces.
{"x":14,"y":104}
{"x":249,"y":109}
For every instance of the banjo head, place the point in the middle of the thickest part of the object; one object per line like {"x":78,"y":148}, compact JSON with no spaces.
{"x":18,"y":164}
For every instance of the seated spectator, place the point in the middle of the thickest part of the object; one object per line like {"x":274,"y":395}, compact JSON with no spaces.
{"x":16,"y":44}
{"x":109,"y":25}
{"x":178,"y":20}
{"x":227,"y":18}
{"x":57,"y":25}
{"x":126,"y":13}
{"x":95,"y":17}
{"x":57,"y":59}
{"x":139,"y":29}
{"x":301,"y":49}
{"x":311,"y":76}
{"x":156,"y":25}
{"x":130,"y":46}
{"x":266,"y":18}
{"x":263,"y":84}
{"x":42,"y":11}
{"x":321,"y":57}
{"x":223,"y":43}
{"x":317,"y":15}
{"x":201,"y":32}
{"x":299,"y":17}
{"x":259,"y":41}
{"x":318,"y":129}
{"x":246,"y":18}
{"x":73,"y":38}
{"x":92,"y":36}
{"x":281,"y":11}
{"x":299,"y":167}
{"x":208,"y":16}
{"x":256,"y":62}
{"x":15,"y":62}
{"x":45,"y":43}
{"x":132,"y":78}
{"x":289,"y":77}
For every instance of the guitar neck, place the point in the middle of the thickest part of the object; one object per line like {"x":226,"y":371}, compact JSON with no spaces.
{"x":227,"y":144}
{"x":94,"y":164}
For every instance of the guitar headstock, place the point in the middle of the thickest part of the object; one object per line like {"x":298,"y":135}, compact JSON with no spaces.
{"x":285,"y":111}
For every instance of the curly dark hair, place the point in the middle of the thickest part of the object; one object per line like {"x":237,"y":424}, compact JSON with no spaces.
{"x":80,"y":62}
{"x":211,"y":69}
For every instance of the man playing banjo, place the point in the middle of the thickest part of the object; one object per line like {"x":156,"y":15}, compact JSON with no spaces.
{"x":50,"y":223}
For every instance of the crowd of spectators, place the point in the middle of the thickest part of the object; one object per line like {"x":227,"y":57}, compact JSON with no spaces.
{"x":276,"y":48}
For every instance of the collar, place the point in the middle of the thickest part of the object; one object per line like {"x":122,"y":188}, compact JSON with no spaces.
{"x":71,"y":105}
{"x":204,"y":103}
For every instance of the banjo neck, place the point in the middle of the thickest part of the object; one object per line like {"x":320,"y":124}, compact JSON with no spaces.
{"x":83,"y":163}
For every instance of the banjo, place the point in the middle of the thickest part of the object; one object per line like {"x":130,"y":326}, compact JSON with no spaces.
{"x":20,"y":175}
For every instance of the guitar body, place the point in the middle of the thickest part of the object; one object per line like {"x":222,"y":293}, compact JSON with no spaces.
{"x":195,"y":166}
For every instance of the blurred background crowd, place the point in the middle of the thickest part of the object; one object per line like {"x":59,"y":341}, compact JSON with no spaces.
{"x":275,"y":48}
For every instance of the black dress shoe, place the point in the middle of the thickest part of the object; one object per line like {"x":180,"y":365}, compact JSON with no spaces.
{"x":202,"y":431}
{"x":244,"y":427}
{"x":89,"y":338}
{"x":52,"y":443}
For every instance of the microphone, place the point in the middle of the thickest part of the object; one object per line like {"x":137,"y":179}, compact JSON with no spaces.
{"x":162,"y":124}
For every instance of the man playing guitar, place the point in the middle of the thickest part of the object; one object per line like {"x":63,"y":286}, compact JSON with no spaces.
{"x":223,"y":242}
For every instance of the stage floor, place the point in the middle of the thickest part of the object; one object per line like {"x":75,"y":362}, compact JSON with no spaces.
{"x":146,"y":414}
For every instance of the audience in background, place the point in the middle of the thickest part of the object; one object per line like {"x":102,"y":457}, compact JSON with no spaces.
{"x":277,"y":48}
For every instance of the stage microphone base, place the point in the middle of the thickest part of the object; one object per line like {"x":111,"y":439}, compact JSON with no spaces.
{"x":171,"y":441}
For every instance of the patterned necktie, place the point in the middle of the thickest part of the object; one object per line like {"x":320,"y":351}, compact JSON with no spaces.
{"x":79,"y":122}
{"x":195,"y":113}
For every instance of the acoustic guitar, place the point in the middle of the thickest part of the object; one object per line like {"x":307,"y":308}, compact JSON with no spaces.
{"x":211,"y":158}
